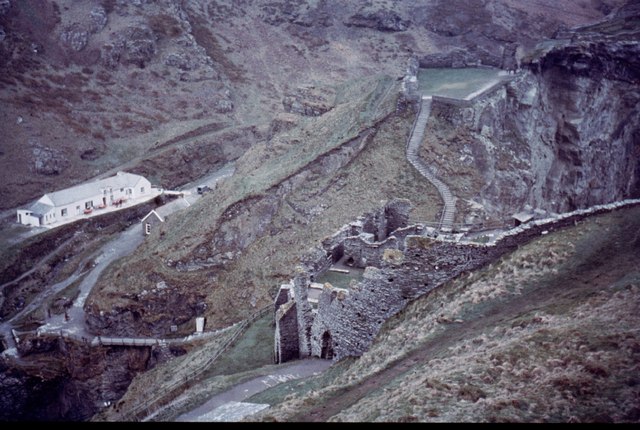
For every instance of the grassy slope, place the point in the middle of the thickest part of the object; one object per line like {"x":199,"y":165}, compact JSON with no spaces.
{"x":549,"y":333}
{"x":379,"y":172}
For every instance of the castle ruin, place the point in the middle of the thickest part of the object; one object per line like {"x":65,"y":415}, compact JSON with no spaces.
{"x":398,"y":262}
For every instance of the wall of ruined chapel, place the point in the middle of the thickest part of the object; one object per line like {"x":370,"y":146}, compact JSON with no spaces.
{"x":286,"y":333}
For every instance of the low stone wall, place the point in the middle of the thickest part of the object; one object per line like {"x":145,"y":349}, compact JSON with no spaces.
{"x":451,"y":101}
{"x":502,"y":80}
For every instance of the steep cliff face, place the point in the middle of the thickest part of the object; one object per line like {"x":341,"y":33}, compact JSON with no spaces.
{"x":563,"y":135}
{"x":63,"y":380}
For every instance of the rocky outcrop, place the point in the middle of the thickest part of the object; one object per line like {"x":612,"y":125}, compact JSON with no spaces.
{"x":135,"y":45}
{"x":563,"y":135}
{"x":62,"y":379}
{"x":300,"y":14}
{"x":75,"y":36}
{"x":48,"y":161}
{"x":309,"y":101}
{"x":381,"y":20}
{"x":150,"y":313}
{"x":98,"y":16}
{"x":78,"y":34}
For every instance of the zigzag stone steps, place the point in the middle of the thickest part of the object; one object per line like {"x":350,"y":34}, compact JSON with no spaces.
{"x":417,"y":135}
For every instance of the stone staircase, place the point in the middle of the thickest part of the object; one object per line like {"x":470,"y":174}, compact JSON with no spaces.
{"x":416,"y":138}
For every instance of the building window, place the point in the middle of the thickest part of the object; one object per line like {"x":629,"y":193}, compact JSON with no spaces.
{"x":142,"y":190}
{"x":63,"y":212}
{"x":147,"y":228}
{"x":88,"y":205}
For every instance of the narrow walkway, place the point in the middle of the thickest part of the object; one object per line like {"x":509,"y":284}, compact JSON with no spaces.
{"x":415,"y":140}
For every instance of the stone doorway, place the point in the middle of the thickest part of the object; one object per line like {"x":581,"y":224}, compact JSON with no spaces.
{"x":327,"y":346}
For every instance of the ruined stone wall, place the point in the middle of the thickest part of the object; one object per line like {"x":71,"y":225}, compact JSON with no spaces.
{"x":354,"y":321}
{"x":286,"y":333}
{"x":406,"y":267}
{"x":365,"y":252}
{"x":304,"y":314}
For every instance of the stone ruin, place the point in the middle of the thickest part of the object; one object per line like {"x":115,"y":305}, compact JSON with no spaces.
{"x":401,"y":262}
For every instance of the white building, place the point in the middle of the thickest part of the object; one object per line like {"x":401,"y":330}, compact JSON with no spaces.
{"x":59,"y":206}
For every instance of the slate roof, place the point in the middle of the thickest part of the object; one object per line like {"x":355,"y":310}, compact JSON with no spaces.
{"x":40,"y":208}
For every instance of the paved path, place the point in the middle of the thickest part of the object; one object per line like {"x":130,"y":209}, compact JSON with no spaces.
{"x":415,"y":140}
{"x":228,"y":406}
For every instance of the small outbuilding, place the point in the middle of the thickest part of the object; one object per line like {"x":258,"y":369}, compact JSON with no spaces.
{"x":521,"y":218}
{"x":149,"y":222}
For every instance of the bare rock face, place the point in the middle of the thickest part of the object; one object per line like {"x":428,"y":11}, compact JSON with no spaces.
{"x":152,"y":312}
{"x":77,"y":382}
{"x":135,"y":45}
{"x":139,"y":45}
{"x":455,"y":21}
{"x":562,"y":136}
{"x":180,"y":61}
{"x":381,"y":20}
